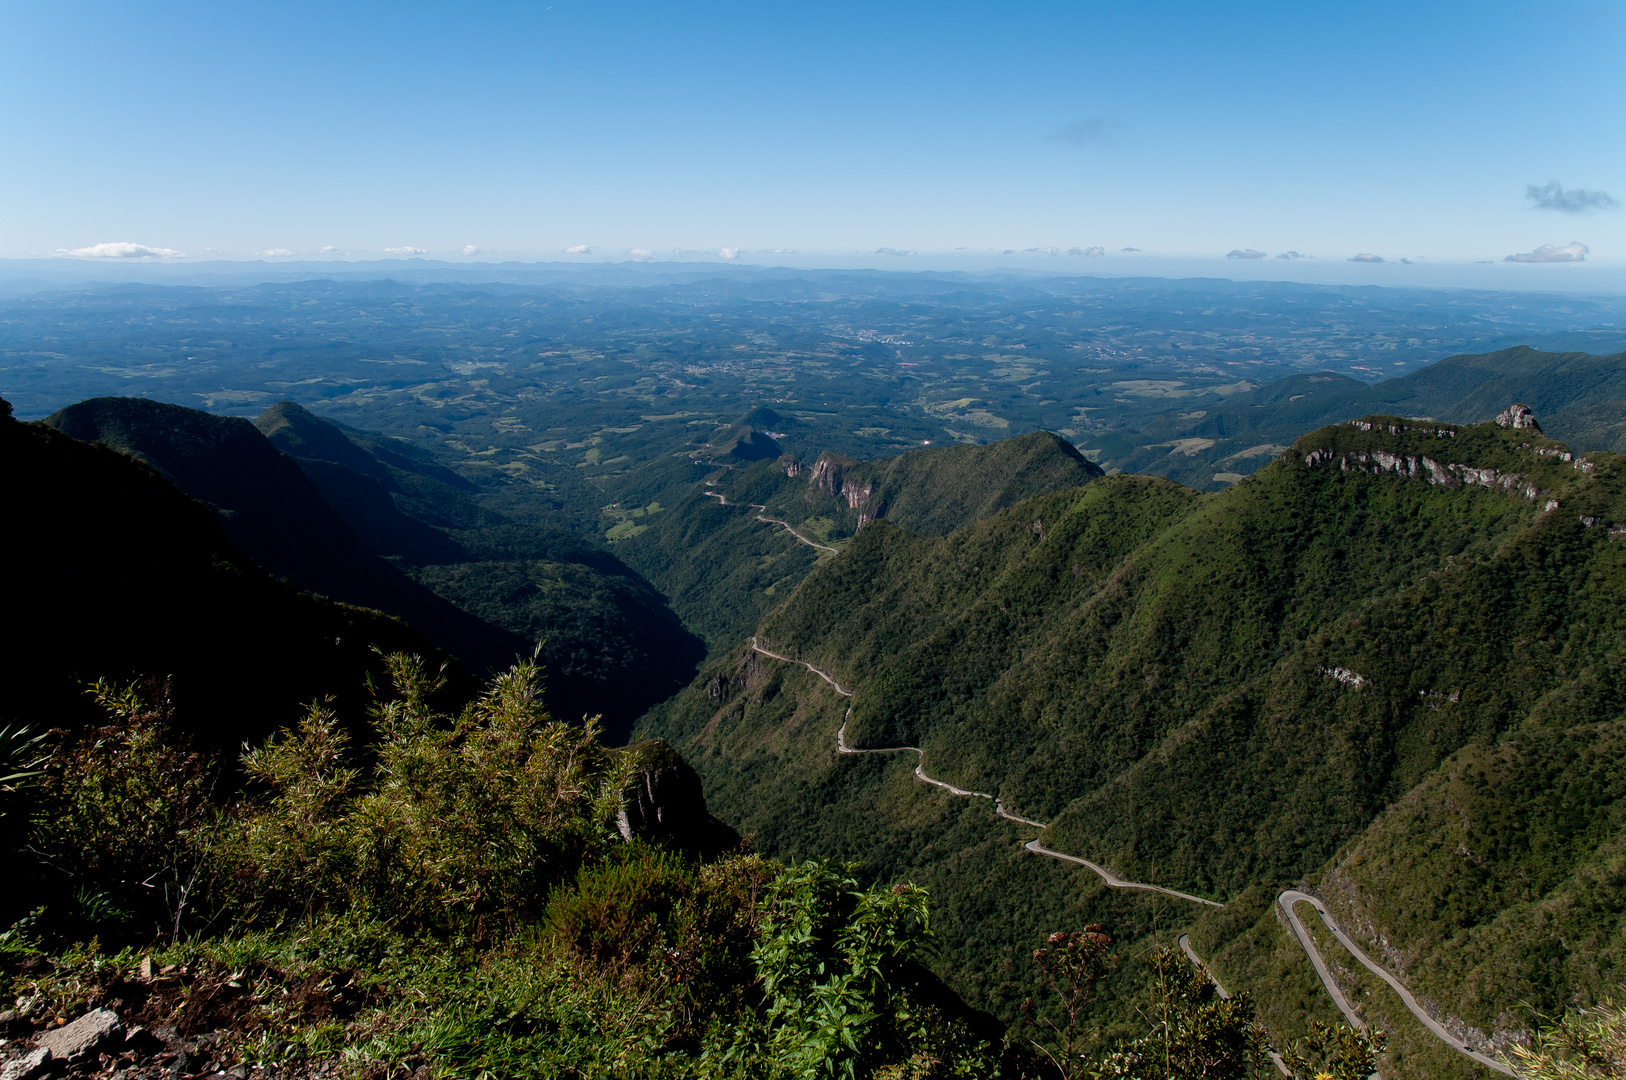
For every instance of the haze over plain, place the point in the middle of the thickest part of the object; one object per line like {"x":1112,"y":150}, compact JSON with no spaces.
{"x":1218,"y":141}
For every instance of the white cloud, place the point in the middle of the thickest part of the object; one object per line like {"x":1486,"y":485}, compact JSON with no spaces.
{"x":1093,"y":252}
{"x":1366,"y":258}
{"x":121,"y":249}
{"x":578,"y":249}
{"x":406,"y":251}
{"x":640,"y":254}
{"x":470,"y":249}
{"x":1244,"y":253}
{"x":1291,"y":255}
{"x":729,"y":253}
{"x":783,"y":251}
{"x":1552,"y":196}
{"x":326,"y":249}
{"x":1574,"y":251}
{"x":1041,"y":251}
{"x":896,"y":251}
{"x":272,"y":253}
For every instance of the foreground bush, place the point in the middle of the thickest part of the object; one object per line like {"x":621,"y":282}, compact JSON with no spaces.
{"x":1587,"y":1044}
{"x":459,"y":825}
{"x":453,"y":894}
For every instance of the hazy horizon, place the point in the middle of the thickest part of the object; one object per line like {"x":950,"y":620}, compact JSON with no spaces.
{"x":1590,"y":278}
{"x":1482,"y":143}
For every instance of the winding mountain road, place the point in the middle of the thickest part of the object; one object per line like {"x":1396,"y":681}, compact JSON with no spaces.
{"x":720,"y":497}
{"x":1114,"y":880}
{"x":1286,"y":900}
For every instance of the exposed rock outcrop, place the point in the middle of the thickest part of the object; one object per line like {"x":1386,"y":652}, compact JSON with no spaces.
{"x":665,"y":804}
{"x":829,"y":475}
{"x":92,"y":1033}
{"x":1517,"y":416}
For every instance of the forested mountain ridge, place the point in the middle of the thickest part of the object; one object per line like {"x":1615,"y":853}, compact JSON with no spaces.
{"x":935,"y":491}
{"x":1210,"y":691}
{"x":338,"y":515}
{"x":447,"y":872}
{"x":1216,"y":439}
{"x":275,"y":515}
{"x":609,"y":641}
{"x":119,"y":575}
{"x":724,"y":568}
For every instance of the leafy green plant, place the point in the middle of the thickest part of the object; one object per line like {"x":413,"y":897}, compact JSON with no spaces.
{"x":458,"y":825}
{"x":1585,"y":1044}
{"x":1070,"y":965}
{"x":841,"y":998}
{"x":1335,"y":1053}
{"x":1195,"y":1033}
{"x":21,"y":755}
{"x":126,"y":817}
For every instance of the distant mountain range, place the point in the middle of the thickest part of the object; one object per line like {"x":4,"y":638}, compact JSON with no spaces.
{"x":1210,"y":439}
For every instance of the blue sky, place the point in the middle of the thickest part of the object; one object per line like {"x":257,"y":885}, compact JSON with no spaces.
{"x":1186,"y":130}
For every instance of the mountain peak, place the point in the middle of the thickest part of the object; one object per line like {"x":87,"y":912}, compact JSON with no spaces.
{"x":935,"y":490}
{"x":300,"y":433}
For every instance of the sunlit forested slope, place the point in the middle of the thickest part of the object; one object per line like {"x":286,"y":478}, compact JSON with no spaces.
{"x":1221,"y":691}
{"x":735,"y":545}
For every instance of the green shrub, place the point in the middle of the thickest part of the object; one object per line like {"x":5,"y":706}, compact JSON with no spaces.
{"x":1194,"y":1032}
{"x":125,"y":819}
{"x":459,"y":825}
{"x":842,"y":998}
{"x":1588,"y":1044}
{"x":457,"y":893}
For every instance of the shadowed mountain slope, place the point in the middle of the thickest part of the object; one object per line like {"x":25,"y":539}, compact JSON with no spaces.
{"x":361,"y":487}
{"x":610,"y":643}
{"x":118,"y":574}
{"x":276,"y":516}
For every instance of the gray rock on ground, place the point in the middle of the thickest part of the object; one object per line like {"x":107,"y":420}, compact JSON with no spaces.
{"x":91,"y":1033}
{"x":31,"y":1065}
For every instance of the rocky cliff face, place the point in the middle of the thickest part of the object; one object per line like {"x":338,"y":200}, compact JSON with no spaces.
{"x":829,"y":475}
{"x":1447,"y":474}
{"x":666,"y":804}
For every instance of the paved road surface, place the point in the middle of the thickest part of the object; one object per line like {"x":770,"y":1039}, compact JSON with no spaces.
{"x":1291,"y":897}
{"x":1286,"y":900}
{"x":1113,"y":879}
{"x":771,"y":521}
